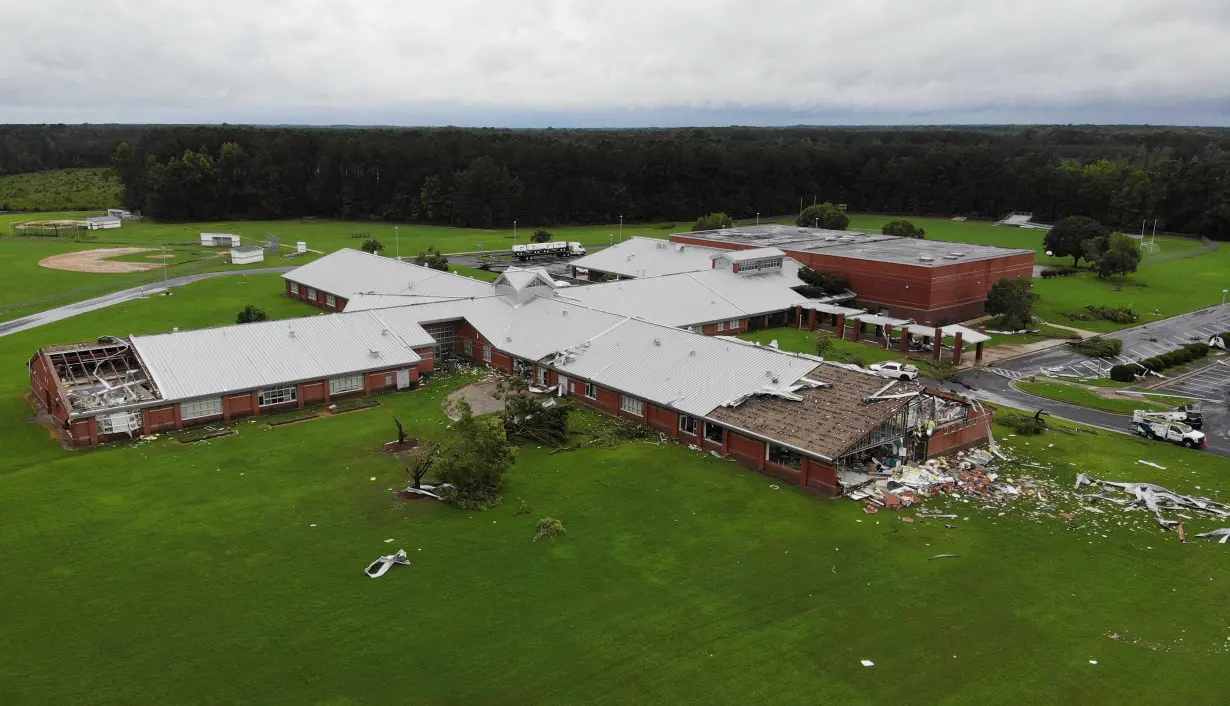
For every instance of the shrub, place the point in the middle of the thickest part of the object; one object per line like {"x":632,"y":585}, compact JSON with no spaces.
{"x":1123,"y":373}
{"x":1198,"y":350}
{"x":549,"y":527}
{"x":1098,"y":347}
{"x":1064,"y":271}
{"x":1116,"y":314}
{"x":1155,"y":364}
{"x":251,"y":314}
{"x":1023,"y":424}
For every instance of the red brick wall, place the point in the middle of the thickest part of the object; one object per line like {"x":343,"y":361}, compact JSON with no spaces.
{"x":662,"y":419}
{"x":428,"y":362}
{"x":749,"y":451}
{"x":45,"y":387}
{"x":712,"y":329}
{"x":972,"y":432}
{"x":159,"y":418}
{"x":821,"y":478}
{"x":312,"y":392}
{"x":237,"y":405}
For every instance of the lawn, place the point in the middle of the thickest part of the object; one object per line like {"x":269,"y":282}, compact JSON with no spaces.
{"x":803,"y":341}
{"x":1074,"y":394}
{"x":28,"y":287}
{"x":142,"y":573}
{"x":61,"y":190}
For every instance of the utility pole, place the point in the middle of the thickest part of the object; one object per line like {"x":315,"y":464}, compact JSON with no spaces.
{"x":164,"y":264}
{"x":758,"y":218}
{"x":621,"y":227}
{"x":396,"y":244}
{"x":514,"y":234}
{"x":1153,"y":240}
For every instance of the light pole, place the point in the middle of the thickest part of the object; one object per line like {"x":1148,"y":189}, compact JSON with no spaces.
{"x":396,"y":243}
{"x":621,"y":227}
{"x":514,"y":234}
{"x":1224,"y":292}
{"x":758,"y":218}
{"x":164,"y":267}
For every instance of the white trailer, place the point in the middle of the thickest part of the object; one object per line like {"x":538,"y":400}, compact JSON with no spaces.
{"x":247,"y":255}
{"x":560,"y":249}
{"x":102,"y":223}
{"x":120,"y":213}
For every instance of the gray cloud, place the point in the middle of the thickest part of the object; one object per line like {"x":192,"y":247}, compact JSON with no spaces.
{"x":540,"y":62}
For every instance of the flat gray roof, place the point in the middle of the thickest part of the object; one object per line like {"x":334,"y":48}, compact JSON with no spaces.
{"x":855,"y":244}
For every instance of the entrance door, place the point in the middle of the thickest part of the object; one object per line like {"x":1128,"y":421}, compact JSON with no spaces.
{"x":563,"y":385}
{"x":403,"y":379}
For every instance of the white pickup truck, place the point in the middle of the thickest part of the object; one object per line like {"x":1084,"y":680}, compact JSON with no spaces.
{"x":898,"y":371}
{"x":1154,"y":425}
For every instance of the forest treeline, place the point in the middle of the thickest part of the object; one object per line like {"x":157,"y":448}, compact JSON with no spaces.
{"x":490,"y":177}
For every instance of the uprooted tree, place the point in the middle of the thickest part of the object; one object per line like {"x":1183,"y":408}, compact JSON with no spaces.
{"x":527,"y":420}
{"x":470,"y":465}
{"x":421,"y":459}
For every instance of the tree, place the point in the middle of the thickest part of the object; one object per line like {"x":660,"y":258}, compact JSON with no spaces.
{"x":251,"y":314}
{"x":1119,"y":256}
{"x":713,"y":221}
{"x":902,"y":228}
{"x":824,"y":215}
{"x":1013,"y":301}
{"x":372,"y":246}
{"x":824,"y":343}
{"x":421,"y":459}
{"x":474,"y":460}
{"x":432,"y":258}
{"x":541,"y":235}
{"x":1068,"y":237}
{"x":526,"y":420}
{"x":820,"y":283}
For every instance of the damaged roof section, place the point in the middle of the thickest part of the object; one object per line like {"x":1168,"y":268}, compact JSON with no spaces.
{"x":827,"y":419}
{"x":106,"y":374}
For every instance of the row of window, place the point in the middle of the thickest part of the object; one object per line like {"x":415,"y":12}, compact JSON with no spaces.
{"x":330,"y":300}
{"x":732,"y":324}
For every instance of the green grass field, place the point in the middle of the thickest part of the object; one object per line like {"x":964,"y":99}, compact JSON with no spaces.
{"x":803,"y":341}
{"x":61,"y":190}
{"x":163,"y":572}
{"x":1074,"y":394}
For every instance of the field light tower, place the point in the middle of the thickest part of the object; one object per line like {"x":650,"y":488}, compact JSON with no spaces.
{"x":396,"y":244}
{"x":1224,"y":292}
{"x":621,"y":227}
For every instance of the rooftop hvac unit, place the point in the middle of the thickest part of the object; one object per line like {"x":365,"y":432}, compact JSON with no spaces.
{"x":679,"y":247}
{"x":373,"y":353}
{"x":926,"y":258}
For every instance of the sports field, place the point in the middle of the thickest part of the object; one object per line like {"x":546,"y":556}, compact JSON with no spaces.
{"x":230,"y":571}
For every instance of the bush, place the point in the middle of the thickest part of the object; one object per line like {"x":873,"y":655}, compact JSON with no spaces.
{"x":1116,"y":314}
{"x":1155,"y":364}
{"x":1064,"y":271}
{"x":1098,"y":347}
{"x":1198,"y":350}
{"x":251,"y":314}
{"x":1023,"y":424}
{"x":1124,"y":373}
{"x":549,"y":527}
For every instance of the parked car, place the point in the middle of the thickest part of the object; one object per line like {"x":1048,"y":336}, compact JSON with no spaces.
{"x":900,"y":371}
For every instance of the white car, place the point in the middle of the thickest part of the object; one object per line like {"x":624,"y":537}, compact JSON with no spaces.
{"x":900,"y":371}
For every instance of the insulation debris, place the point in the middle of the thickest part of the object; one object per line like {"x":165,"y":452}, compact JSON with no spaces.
{"x":1154,"y":498}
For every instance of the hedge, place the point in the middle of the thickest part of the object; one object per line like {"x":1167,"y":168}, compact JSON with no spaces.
{"x":1098,"y":347}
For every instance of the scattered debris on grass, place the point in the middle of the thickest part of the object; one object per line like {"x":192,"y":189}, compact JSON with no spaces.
{"x":381,"y":566}
{"x":1155,"y":498}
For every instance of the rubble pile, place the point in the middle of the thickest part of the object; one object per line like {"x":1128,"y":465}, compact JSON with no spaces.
{"x":1156,"y":499}
{"x":970,"y":476}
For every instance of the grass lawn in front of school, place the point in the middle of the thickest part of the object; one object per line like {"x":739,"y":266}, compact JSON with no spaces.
{"x":484,"y":275}
{"x":680,"y":575}
{"x":1077,"y":395}
{"x":803,"y":341}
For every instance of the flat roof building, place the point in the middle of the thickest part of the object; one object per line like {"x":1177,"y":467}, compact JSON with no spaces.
{"x":931,"y":281}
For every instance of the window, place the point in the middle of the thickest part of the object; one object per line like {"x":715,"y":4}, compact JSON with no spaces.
{"x":591,"y":390}
{"x":469,"y":347}
{"x":443,"y":336}
{"x":783,"y":456}
{"x":732,"y":324}
{"x":687,"y":424}
{"x":486,"y":352}
{"x":696,"y":329}
{"x":721,"y":325}
{"x":277,"y":395}
{"x":632,"y":405}
{"x":542,"y":377}
{"x":714,"y":433}
{"x":196,"y":409}
{"x":118,"y":422}
{"x":330,"y":300}
{"x":344,"y":384}
{"x":311,"y":294}
{"x":294,"y":288}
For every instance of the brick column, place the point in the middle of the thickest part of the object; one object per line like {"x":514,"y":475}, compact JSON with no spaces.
{"x":328,"y":396}
{"x":888,"y":335}
{"x":939,"y":339}
{"x":978,"y":353}
{"x":905,"y":341}
{"x":256,"y":403}
{"x":840,"y":327}
{"x":803,"y":475}
{"x":226,"y":409}
{"x":179,"y":416}
{"x":811,"y":320}
{"x":956,"y":350}
{"x":92,"y":427}
{"x":299,"y":394}
{"x":858,"y":330}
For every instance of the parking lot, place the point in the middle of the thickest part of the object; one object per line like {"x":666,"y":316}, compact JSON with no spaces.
{"x":1210,"y":384}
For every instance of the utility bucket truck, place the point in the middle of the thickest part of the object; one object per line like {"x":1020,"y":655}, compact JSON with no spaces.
{"x":1156,"y":425}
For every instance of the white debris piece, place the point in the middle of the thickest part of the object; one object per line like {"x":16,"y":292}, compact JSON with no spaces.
{"x":868,"y":663}
{"x":381,"y":566}
{"x":1150,"y":463}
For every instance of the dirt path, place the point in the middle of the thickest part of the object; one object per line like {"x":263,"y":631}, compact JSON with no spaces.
{"x":478,"y":394}
{"x":96,"y":261}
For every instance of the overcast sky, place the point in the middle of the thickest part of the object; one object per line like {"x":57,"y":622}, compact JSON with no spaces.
{"x":619,"y":63}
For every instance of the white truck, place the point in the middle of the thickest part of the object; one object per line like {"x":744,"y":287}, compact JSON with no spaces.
{"x":1187,"y":414}
{"x":1155,"y":425}
{"x":898,"y":371}
{"x":560,"y":249}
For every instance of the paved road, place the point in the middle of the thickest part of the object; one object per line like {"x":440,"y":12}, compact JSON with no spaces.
{"x":1170,"y":333}
{"x":68,"y":310}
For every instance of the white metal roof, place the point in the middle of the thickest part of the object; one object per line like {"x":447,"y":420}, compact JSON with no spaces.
{"x":690,"y":298}
{"x":877,"y":320}
{"x":690,"y":372}
{"x":348,"y":272}
{"x":649,"y":257}
{"x":750,"y":254}
{"x":968,"y":335}
{"x":824,"y":308}
{"x":212,"y":362}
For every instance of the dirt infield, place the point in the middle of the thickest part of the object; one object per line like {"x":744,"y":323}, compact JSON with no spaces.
{"x":96,"y":261}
